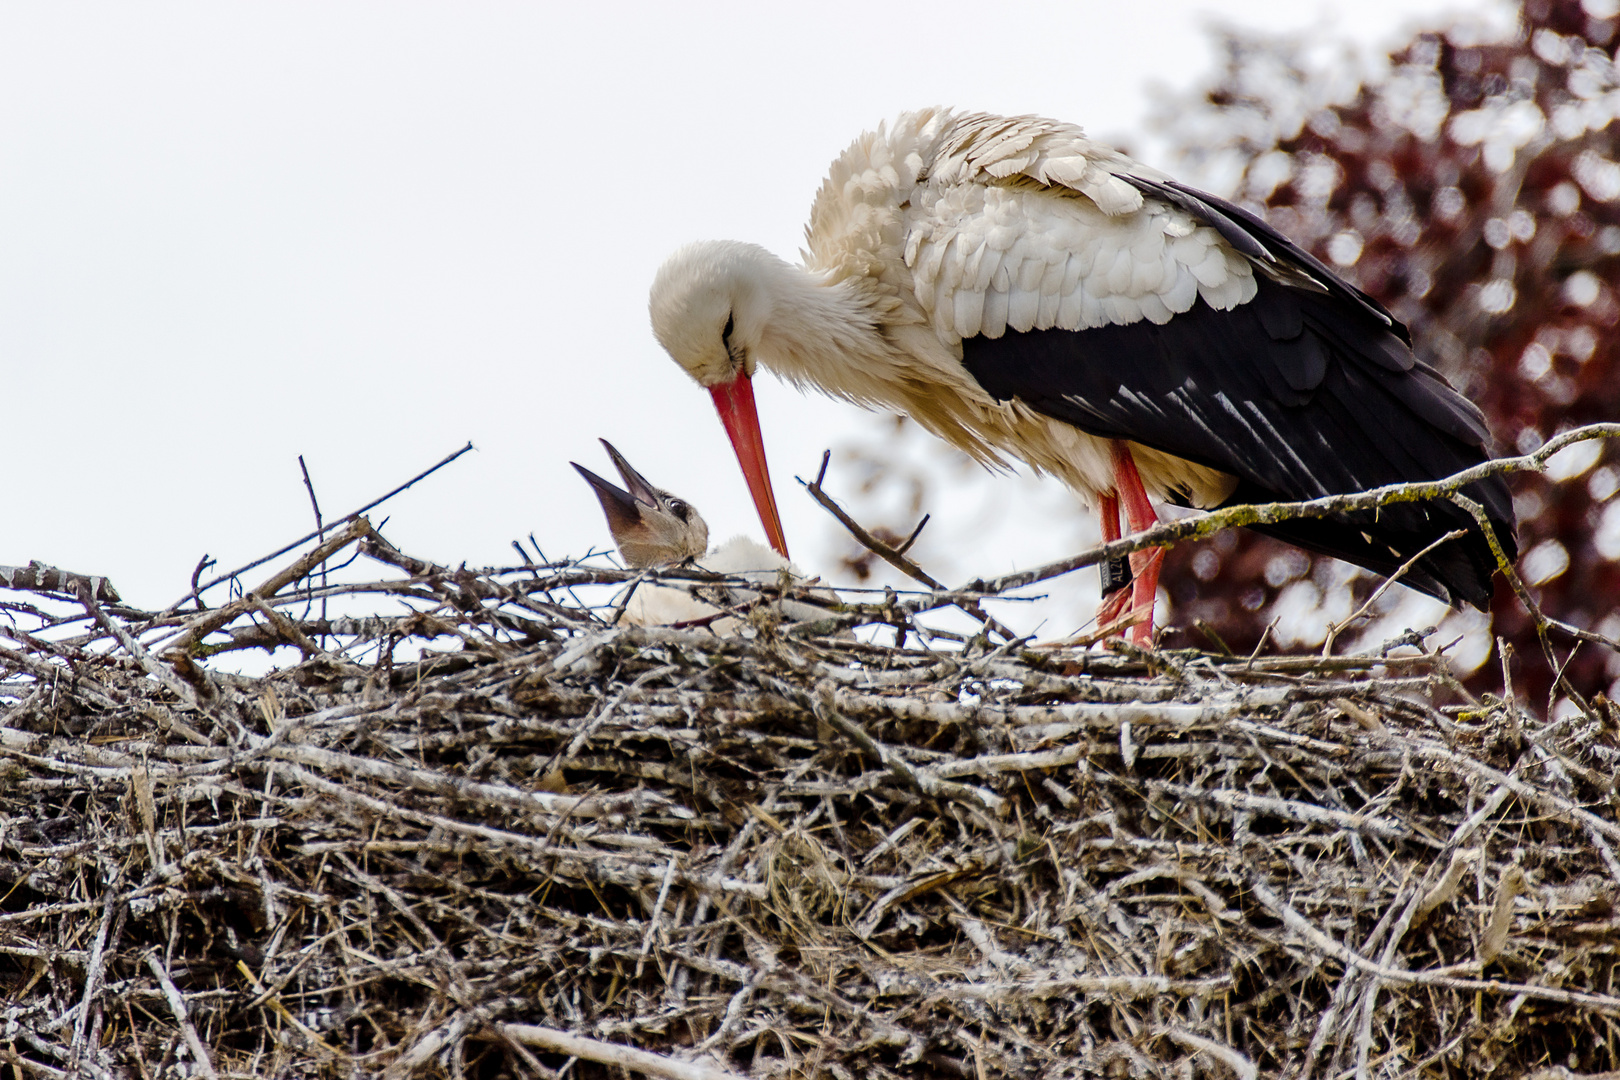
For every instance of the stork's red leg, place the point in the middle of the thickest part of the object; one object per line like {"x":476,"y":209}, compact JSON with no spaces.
{"x":1115,"y":595}
{"x":1139,"y":515}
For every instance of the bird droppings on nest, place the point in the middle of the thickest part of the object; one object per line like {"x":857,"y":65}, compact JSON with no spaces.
{"x":564,"y":847}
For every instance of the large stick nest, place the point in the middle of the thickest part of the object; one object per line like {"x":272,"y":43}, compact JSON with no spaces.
{"x":443,"y":841}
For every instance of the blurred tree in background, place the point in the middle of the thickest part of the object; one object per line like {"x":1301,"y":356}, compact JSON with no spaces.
{"x":1473,"y":186}
{"x":1475,"y":189}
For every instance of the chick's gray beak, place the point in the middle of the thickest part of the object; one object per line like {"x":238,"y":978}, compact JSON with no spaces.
{"x":640,"y":490}
{"x":623,"y":514}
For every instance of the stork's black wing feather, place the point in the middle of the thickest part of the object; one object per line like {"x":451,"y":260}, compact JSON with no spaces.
{"x":1300,"y":392}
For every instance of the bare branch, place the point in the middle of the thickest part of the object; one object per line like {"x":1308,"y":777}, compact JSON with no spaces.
{"x":623,"y":1057}
{"x":1200,"y":526}
{"x":895,"y":557}
{"x":352,"y":516}
{"x":37,"y":577}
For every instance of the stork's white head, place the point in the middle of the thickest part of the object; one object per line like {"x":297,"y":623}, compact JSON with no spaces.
{"x":650,"y":526}
{"x":711,"y":304}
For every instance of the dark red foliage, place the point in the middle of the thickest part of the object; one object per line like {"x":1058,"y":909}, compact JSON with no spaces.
{"x":1476,"y":191}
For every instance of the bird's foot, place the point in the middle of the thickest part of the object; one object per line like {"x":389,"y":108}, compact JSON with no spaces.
{"x":1118,"y":617}
{"x":1104,"y":630}
{"x":1113,"y":606}
{"x":1144,"y":591}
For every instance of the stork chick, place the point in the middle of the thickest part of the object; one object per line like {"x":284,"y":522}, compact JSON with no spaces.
{"x":654,"y":529}
{"x":1021,"y":290}
{"x":650,"y":526}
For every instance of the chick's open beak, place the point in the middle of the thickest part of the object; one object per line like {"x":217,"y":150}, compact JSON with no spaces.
{"x":640,"y":490}
{"x":623,"y":513}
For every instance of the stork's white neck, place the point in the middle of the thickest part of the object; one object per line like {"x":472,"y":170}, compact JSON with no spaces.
{"x":822,"y":334}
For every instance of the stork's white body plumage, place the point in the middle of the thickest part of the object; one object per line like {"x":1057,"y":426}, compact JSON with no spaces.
{"x":1021,"y":290}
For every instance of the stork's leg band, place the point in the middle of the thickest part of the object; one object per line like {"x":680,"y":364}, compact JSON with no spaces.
{"x":1116,"y":574}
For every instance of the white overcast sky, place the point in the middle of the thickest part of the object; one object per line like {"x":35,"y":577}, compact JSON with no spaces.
{"x":231,"y":234}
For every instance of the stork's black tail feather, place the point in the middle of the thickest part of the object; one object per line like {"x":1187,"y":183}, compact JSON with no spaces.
{"x":1457,"y":571}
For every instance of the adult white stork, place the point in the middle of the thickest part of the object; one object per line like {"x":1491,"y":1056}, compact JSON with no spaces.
{"x":1019,"y":289}
{"x":654,"y":529}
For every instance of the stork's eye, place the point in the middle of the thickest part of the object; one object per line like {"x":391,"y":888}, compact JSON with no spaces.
{"x":679,"y":509}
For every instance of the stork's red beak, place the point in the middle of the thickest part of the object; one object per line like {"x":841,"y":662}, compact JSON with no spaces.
{"x":734,"y":401}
